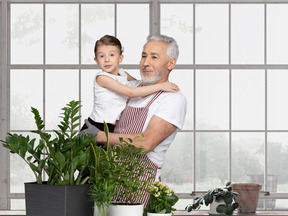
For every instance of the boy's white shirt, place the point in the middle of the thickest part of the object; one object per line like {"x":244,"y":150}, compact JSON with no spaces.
{"x":108,"y":105}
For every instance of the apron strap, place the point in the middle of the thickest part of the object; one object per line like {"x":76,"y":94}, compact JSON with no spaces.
{"x":154,"y":98}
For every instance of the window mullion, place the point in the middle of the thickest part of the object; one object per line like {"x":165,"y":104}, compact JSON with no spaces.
{"x":4,"y":109}
{"x":266,"y":102}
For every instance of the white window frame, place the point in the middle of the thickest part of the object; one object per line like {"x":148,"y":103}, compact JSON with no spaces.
{"x":5,"y":195}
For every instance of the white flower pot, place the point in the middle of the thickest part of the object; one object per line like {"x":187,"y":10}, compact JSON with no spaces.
{"x":158,"y":214}
{"x":126,"y":210}
{"x":213,"y":207}
{"x":104,"y":211}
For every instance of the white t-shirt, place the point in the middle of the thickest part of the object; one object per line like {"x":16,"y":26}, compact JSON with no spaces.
{"x":108,"y":105}
{"x":169,"y":106}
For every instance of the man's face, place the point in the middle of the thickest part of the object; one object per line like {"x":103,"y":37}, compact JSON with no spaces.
{"x":154,"y":65}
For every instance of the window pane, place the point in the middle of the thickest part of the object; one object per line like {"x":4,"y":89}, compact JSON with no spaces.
{"x":282,"y":203}
{"x":62,"y":34}
{"x":62,"y":86}
{"x":186,"y":87}
{"x":278,"y":161}
{"x":87,"y":95}
{"x":23,"y":95}
{"x":97,"y":21}
{"x":277,"y":106}
{"x":135,"y":73}
{"x":247,"y":156}
{"x":20,"y":172}
{"x":248,"y":100}
{"x":247,"y":34}
{"x":179,"y":175}
{"x":177,"y":22}
{"x":212,"y":99}
{"x":17,"y":204}
{"x":26,"y":34}
{"x":211,"y":160}
{"x":135,"y":18}
{"x":211,"y":34}
{"x":277,"y":33}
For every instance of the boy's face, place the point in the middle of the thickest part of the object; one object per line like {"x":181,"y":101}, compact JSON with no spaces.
{"x":108,"y":58}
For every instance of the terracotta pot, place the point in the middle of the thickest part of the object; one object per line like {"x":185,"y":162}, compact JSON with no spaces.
{"x":248,"y":196}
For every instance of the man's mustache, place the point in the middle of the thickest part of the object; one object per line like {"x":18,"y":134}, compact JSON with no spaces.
{"x":145,"y":68}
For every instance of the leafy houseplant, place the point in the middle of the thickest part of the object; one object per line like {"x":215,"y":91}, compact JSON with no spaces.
{"x":64,"y":159}
{"x":162,"y":199}
{"x":132,"y":169}
{"x":226,"y":195}
{"x":103,"y":175}
{"x":117,"y":174}
{"x":131,"y":176}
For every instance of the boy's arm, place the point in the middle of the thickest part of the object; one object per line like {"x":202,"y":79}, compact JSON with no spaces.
{"x":113,"y":85}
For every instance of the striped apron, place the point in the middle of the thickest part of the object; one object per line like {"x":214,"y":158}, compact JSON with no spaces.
{"x":132,"y":121}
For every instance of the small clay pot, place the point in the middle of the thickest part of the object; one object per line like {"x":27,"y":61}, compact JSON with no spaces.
{"x":248,"y":196}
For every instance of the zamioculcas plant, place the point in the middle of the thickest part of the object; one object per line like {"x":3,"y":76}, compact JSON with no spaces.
{"x":64,"y":158}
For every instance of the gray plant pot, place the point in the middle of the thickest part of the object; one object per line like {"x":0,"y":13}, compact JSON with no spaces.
{"x":48,"y":200}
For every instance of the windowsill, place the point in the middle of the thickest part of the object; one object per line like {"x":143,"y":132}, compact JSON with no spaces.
{"x":182,"y":213}
{"x":14,"y":213}
{"x":259,"y":213}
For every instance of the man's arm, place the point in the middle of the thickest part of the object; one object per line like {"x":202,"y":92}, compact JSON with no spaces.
{"x":157,"y":130}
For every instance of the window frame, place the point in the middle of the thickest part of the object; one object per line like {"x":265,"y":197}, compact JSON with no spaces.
{"x":155,"y":24}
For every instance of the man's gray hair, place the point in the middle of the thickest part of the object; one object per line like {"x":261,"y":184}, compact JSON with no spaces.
{"x":172,"y":49}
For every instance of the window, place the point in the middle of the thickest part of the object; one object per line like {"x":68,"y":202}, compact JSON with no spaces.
{"x":232,"y":69}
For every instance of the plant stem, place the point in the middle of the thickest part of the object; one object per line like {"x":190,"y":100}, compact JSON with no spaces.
{"x":71,"y":149}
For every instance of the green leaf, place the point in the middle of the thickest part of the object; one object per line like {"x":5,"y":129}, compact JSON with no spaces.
{"x":60,"y":159}
{"x":235,"y":205}
{"x":29,"y":158}
{"x":208,"y":199}
{"x":229,"y":210}
{"x":221,"y":208}
{"x":228,"y":200}
{"x":34,"y":168}
{"x":23,"y":149}
{"x":76,"y":119}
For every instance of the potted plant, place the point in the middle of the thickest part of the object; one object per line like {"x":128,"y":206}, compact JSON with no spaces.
{"x":104,"y":172}
{"x":117,"y":178}
{"x":161,"y":201}
{"x":131,"y":179}
{"x":225,"y":197}
{"x":248,"y":196}
{"x":64,"y":159}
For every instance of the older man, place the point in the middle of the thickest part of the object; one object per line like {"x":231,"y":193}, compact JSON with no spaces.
{"x":158,"y":116}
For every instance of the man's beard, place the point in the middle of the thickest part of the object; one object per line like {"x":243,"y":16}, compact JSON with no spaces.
{"x":154,"y":79}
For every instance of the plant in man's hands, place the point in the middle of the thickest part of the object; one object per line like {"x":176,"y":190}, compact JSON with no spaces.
{"x":162,"y":199}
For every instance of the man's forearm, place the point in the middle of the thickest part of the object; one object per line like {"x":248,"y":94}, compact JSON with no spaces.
{"x":138,"y":139}
{"x":157,"y":130}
